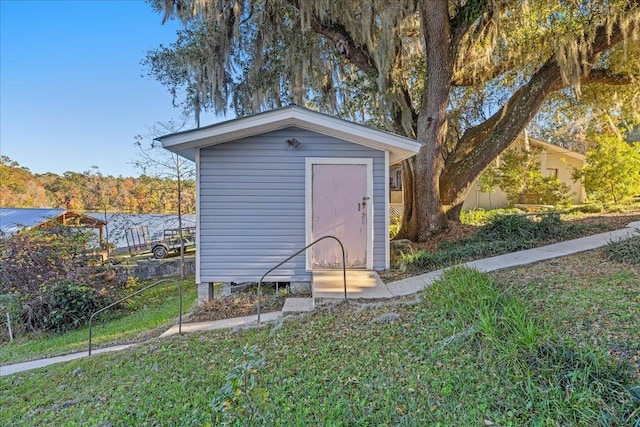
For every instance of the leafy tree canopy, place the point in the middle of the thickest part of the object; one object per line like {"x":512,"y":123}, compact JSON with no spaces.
{"x":462,"y":77}
{"x":612,"y":171}
{"x":91,"y":190}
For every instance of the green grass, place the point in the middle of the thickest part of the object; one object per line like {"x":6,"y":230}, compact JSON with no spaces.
{"x":145,"y":314}
{"x":472,"y":350}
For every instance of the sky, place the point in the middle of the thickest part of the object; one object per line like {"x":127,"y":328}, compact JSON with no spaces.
{"x":72,"y":91}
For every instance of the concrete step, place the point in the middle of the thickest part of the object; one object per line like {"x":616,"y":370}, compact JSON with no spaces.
{"x":328,"y":285}
{"x":297,"y":305}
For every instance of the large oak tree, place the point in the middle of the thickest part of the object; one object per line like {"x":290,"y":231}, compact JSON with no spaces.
{"x":462,"y":77}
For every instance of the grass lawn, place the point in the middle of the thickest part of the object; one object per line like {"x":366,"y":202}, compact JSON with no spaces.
{"x":551,"y":344}
{"x":153,"y":310}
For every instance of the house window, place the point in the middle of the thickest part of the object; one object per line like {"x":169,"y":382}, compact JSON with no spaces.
{"x":552,"y":172}
{"x":399,"y":179}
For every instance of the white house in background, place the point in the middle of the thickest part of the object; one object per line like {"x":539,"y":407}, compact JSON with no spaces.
{"x":554,"y":161}
{"x":269,"y":184}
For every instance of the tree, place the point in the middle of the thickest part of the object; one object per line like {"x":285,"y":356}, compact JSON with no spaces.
{"x":160,"y":163}
{"x":98,"y":193}
{"x":18,"y":187}
{"x":519,"y":176}
{"x":612,"y":170}
{"x":417,"y":67}
{"x":488,"y":182}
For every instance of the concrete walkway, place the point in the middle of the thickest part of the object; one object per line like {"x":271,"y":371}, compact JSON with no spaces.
{"x":186,"y":328}
{"x":224,"y":323}
{"x":415,"y":284}
{"x":329,"y":285}
{"x":33,"y":364}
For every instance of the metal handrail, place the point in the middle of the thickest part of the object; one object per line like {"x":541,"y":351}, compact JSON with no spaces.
{"x":344,"y":268}
{"x":134,"y":294}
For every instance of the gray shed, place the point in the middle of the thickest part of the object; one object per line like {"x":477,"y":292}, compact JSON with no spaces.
{"x":271,"y":183}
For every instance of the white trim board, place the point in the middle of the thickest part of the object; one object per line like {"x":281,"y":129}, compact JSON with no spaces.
{"x":184,"y":143}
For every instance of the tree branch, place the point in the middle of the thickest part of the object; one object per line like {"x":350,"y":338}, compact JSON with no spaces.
{"x":608,"y":77}
{"x":358,"y":55}
{"x":482,"y":143}
{"x":464,"y":18}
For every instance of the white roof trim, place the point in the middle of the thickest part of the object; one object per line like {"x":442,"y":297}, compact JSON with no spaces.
{"x":186,"y":143}
{"x":557,"y":149}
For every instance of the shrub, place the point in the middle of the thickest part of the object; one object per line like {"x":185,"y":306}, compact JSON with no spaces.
{"x":506,"y":227}
{"x":625,"y":250}
{"x":60,"y":307}
{"x":45,"y":270}
{"x":481,"y":216}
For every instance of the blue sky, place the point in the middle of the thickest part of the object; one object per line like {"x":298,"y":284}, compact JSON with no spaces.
{"x":72,"y":93}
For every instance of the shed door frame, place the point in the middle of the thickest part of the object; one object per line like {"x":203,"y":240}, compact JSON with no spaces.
{"x":309,"y":162}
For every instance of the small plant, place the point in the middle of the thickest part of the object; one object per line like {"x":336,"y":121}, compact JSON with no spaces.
{"x":625,"y":250}
{"x":240,"y":397}
{"x":508,"y":227}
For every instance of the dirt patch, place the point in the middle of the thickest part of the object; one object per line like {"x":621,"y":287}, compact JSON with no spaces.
{"x":454,"y":232}
{"x":613,"y":221}
{"x":244,"y":303}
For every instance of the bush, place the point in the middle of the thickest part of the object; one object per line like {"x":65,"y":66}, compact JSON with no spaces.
{"x":520,"y":177}
{"x":481,"y":216}
{"x":507,"y":227}
{"x":45,"y":271}
{"x":60,"y":307}
{"x":625,"y":250}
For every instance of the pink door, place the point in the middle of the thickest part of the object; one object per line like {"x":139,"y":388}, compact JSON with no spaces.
{"x":339,"y":208}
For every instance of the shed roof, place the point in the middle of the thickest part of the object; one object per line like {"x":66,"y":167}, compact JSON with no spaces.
{"x":186,"y":143}
{"x":13,"y":220}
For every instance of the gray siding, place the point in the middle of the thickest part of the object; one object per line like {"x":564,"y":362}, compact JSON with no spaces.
{"x":252,"y":204}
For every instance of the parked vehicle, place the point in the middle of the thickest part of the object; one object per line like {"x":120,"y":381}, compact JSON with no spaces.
{"x":139,"y":242}
{"x":171,"y":242}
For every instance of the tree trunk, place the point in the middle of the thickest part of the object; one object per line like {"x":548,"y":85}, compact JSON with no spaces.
{"x":409,"y":224}
{"x":432,"y":119}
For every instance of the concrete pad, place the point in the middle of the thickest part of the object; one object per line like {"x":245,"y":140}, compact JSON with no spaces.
{"x":329,"y":285}
{"x":298,"y":305}
{"x":223,"y":324}
{"x":34,"y":364}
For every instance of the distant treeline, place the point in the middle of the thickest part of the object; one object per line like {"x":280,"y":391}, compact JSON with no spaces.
{"x":90,"y":190}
